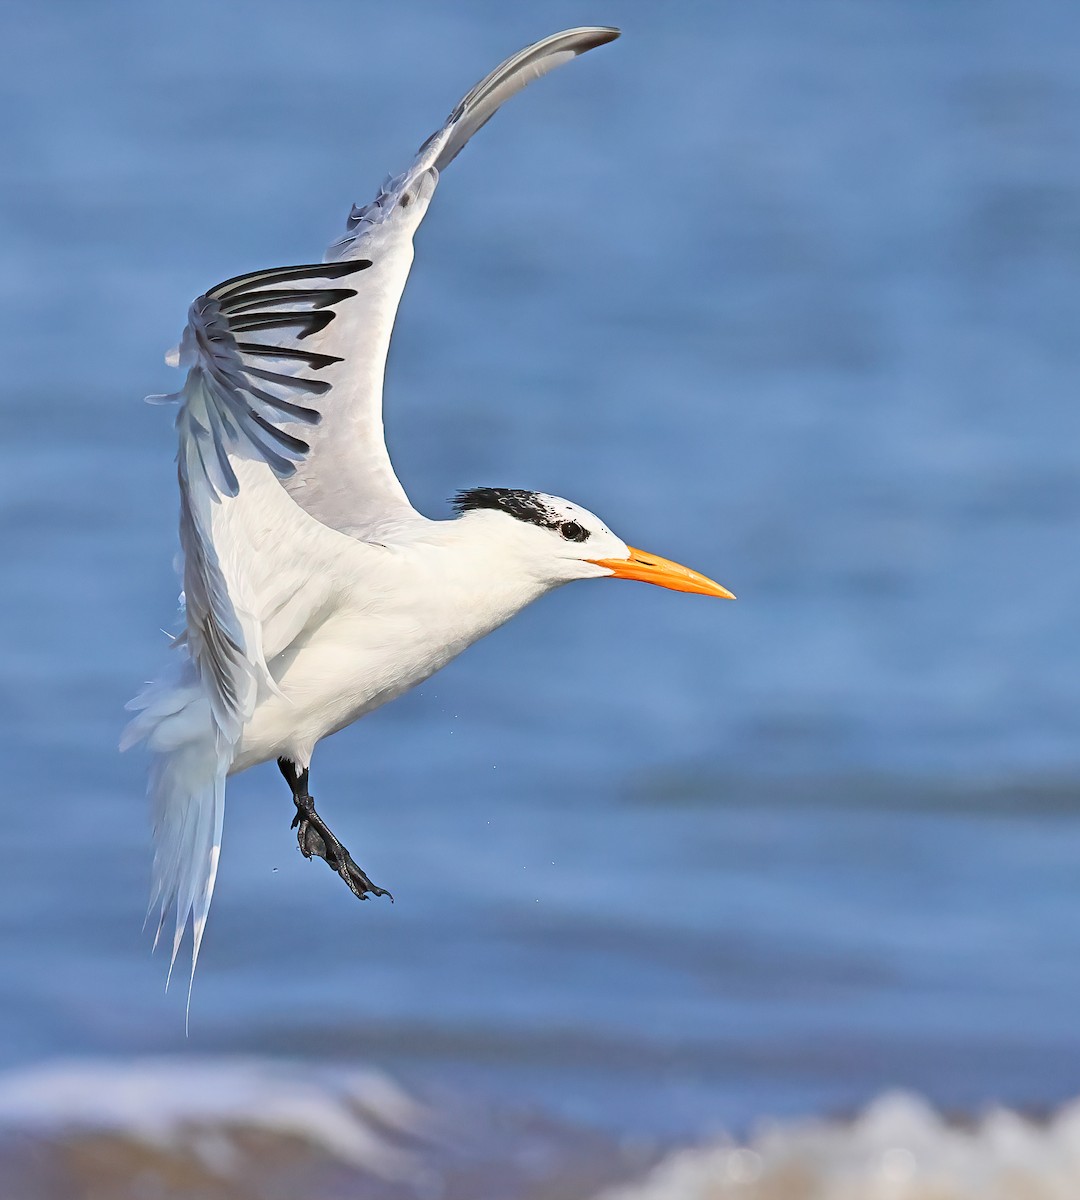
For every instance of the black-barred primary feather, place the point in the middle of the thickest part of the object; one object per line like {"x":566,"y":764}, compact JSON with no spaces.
{"x":230,"y":404}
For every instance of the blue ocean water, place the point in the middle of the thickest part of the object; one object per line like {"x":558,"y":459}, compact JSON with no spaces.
{"x":786,"y":292}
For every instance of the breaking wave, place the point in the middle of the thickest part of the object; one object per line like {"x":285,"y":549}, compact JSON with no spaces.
{"x":239,"y":1128}
{"x":898,"y":1148}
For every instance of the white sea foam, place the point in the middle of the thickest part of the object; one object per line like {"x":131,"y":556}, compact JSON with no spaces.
{"x":359,"y":1117}
{"x":899,"y":1148}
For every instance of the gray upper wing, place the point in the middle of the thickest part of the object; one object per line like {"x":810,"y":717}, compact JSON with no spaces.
{"x":346,"y":480}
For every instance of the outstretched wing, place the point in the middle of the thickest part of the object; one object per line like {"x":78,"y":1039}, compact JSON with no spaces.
{"x":346,"y":480}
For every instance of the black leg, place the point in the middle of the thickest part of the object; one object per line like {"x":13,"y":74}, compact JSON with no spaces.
{"x":315,"y":838}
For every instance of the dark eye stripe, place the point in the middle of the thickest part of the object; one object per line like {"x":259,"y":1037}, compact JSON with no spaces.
{"x":522,"y":505}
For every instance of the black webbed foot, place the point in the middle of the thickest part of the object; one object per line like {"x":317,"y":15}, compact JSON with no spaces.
{"x":317,"y":841}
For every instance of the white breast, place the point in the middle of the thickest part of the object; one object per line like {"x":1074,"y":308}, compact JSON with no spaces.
{"x":374,"y":642}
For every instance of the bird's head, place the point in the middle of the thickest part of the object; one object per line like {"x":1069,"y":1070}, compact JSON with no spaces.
{"x":560,"y":541}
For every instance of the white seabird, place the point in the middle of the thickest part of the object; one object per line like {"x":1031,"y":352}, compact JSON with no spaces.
{"x":313,"y":591}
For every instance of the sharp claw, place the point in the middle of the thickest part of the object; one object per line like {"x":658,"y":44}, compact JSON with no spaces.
{"x":316,"y":841}
{"x":359,"y":884}
{"x":357,"y":890}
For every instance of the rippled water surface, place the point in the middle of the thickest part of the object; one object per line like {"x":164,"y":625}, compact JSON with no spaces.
{"x":786,"y":292}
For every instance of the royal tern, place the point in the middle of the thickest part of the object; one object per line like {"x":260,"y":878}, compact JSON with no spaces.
{"x":313,"y":591}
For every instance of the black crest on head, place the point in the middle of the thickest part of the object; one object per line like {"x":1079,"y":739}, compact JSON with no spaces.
{"x":521,"y":504}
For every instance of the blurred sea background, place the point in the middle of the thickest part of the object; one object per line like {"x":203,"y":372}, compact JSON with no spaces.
{"x":776,"y":898}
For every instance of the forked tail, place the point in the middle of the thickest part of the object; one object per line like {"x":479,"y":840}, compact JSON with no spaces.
{"x":187,"y":792}
{"x":188,"y":767}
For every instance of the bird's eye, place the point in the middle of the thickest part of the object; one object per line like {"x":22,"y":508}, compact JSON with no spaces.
{"x":573,"y":532}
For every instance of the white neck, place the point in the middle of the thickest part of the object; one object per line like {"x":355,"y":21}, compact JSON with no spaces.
{"x":472,"y":574}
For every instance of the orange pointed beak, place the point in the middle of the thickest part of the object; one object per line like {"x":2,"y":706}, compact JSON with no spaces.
{"x":650,"y":568}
